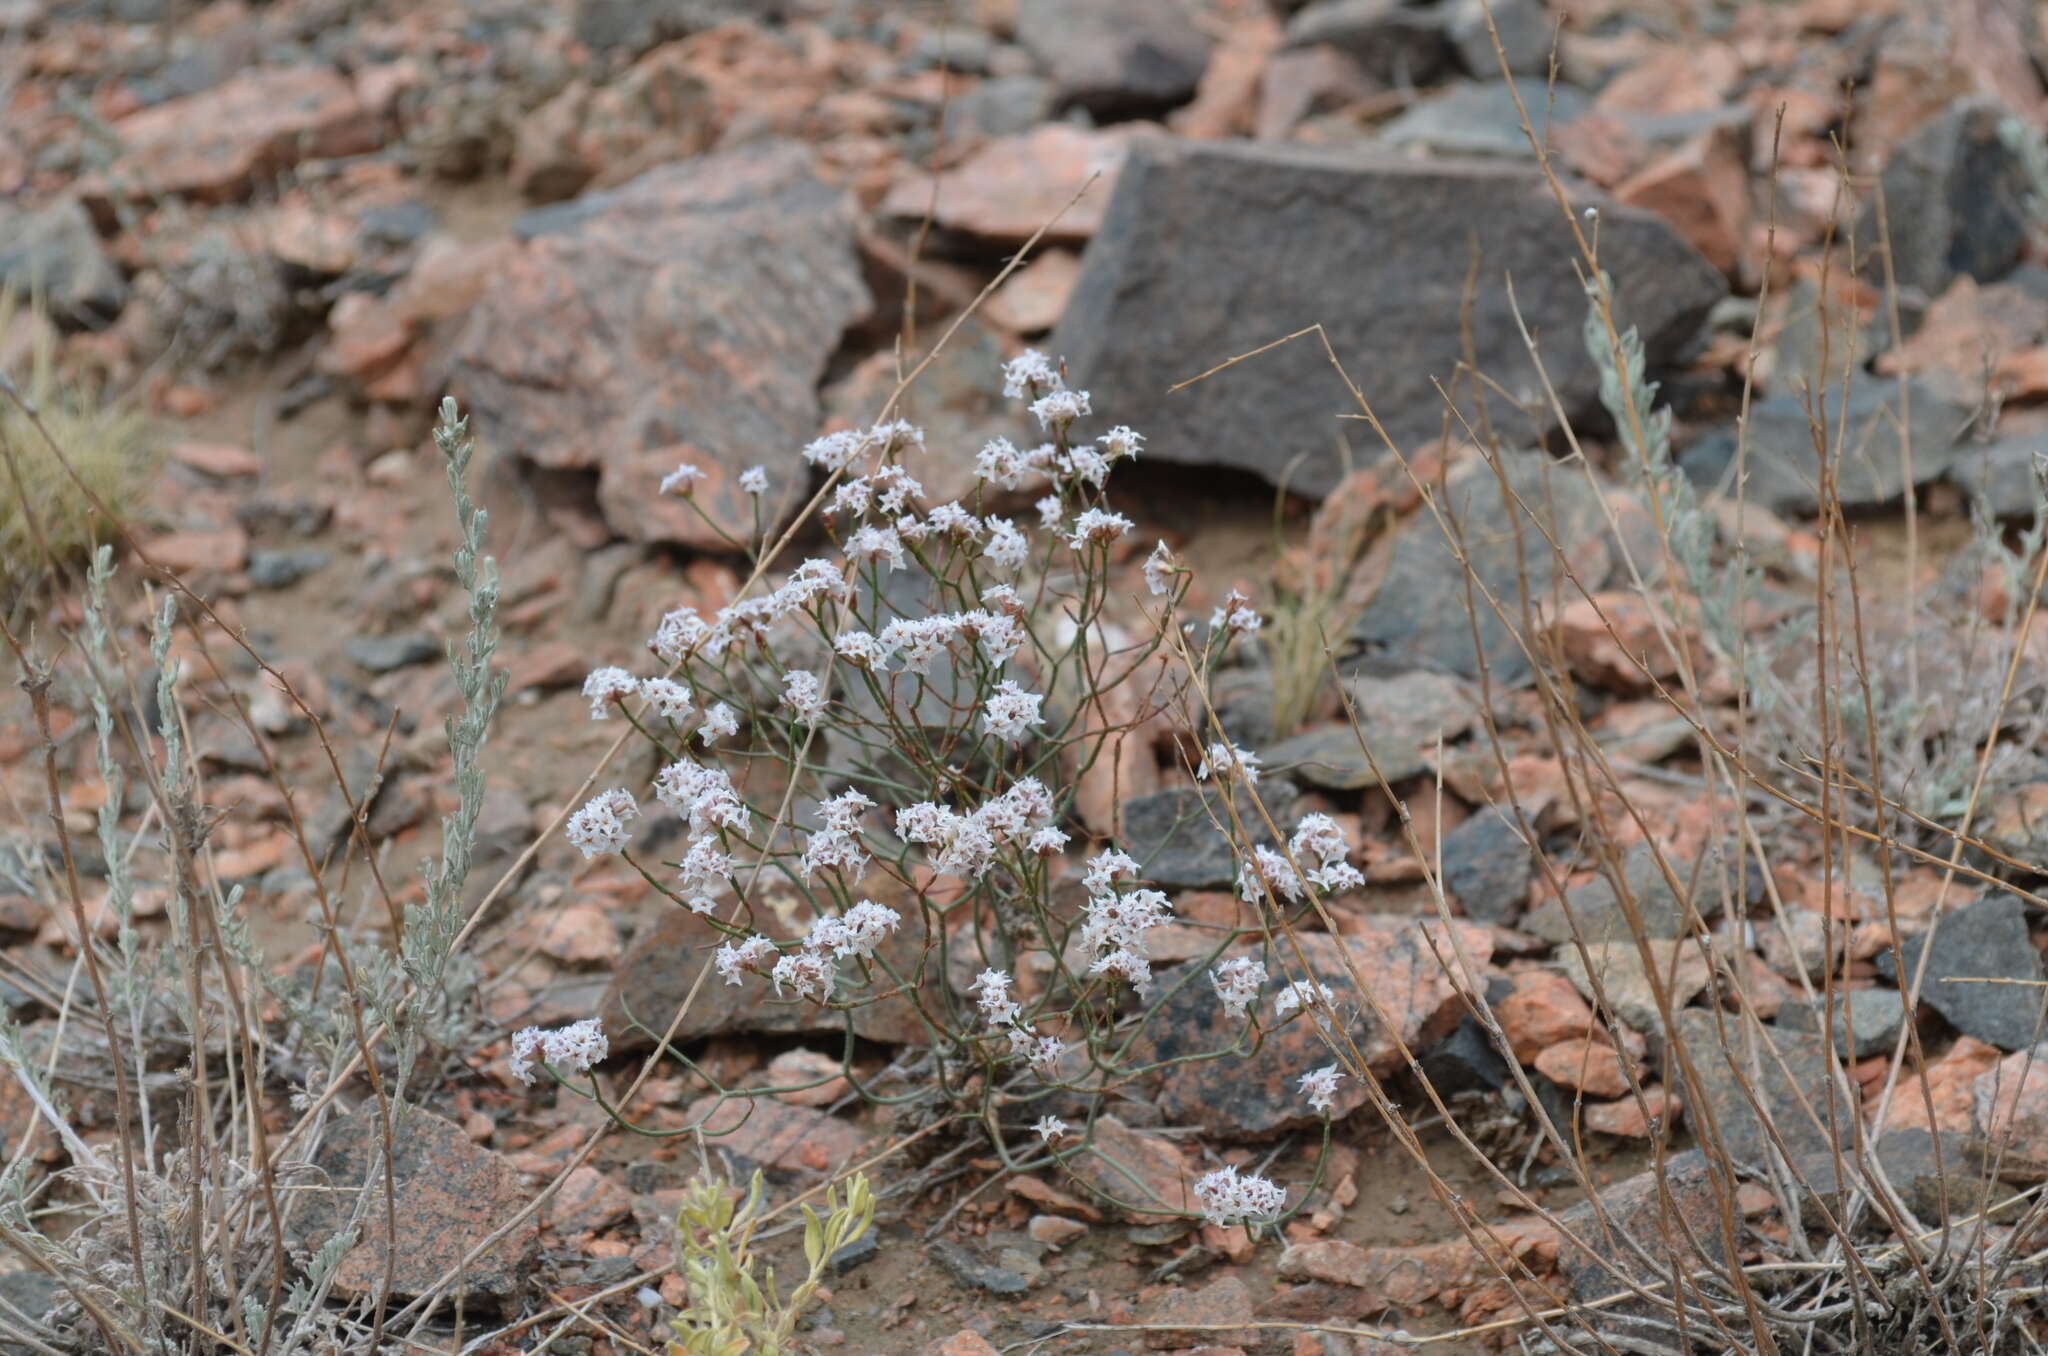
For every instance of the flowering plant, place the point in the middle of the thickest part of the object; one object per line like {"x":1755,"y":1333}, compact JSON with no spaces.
{"x":919,"y":733}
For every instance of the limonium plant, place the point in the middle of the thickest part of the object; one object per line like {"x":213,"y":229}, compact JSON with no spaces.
{"x":897,"y":730}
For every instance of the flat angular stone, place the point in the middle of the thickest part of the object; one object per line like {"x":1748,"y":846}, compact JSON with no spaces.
{"x":1782,"y":469}
{"x":452,"y":1194}
{"x":1116,"y":58}
{"x":1984,"y":940}
{"x":1955,"y":195}
{"x":1422,"y":613}
{"x":1793,"y":1088}
{"x":1211,"y":250}
{"x":683,"y":317}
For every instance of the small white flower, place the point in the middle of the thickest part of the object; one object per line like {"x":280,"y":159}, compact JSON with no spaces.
{"x":851,"y":499}
{"x":1006,"y":545}
{"x":1159,"y":568}
{"x":606,"y":686}
{"x":734,"y":959}
{"x":1265,"y":875}
{"x":899,"y":435}
{"x":1001,"y":464}
{"x":1044,"y":1053}
{"x":1010,"y":712}
{"x":1047,"y":843}
{"x":1030,"y":373}
{"x":1228,"y":1199}
{"x":1048,"y":511}
{"x":1134,"y":969}
{"x":844,"y":810}
{"x":1097,"y":525}
{"x":810,"y":972}
{"x":525,"y":1051}
{"x":754,"y":480}
{"x":1083,"y":463}
{"x":1225,"y":757}
{"x":804,"y":696}
{"x":835,"y":450}
{"x":600,"y":826}
{"x":855,"y":933}
{"x":704,"y":794}
{"x":679,"y":632}
{"x":1106,"y":868}
{"x":683,"y":480}
{"x":570,"y":1049}
{"x":1303,"y":993}
{"x":1121,"y":442}
{"x":876,"y":543}
{"x":1321,"y":1087}
{"x":1050,"y":1128}
{"x":706,"y":871}
{"x":953,"y":521}
{"x":719,"y":723}
{"x":991,"y":992}
{"x":1237,"y":982}
{"x":1059,"y":408}
{"x":666,"y":698}
{"x":858,"y":647}
{"x":1235,"y":616}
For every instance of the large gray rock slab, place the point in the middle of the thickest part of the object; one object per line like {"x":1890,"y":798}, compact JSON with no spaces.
{"x":1208,"y":251}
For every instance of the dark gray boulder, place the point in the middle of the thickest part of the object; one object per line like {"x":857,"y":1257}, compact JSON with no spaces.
{"x":1208,"y":251}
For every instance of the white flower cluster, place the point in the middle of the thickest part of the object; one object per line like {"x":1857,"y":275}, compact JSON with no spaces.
{"x":991,"y":993}
{"x":1228,"y":1199}
{"x":736,"y":958}
{"x":570,"y":1049}
{"x":804,"y":695}
{"x":1050,"y":1128}
{"x":1097,"y":525}
{"x":683,"y":480}
{"x":1236,"y":615}
{"x":836,"y":451}
{"x":811,"y":969}
{"x":1114,"y":924}
{"x":599,"y":826}
{"x":606,"y":687}
{"x":703,"y":795}
{"x":683,"y":632}
{"x":667,"y":698}
{"x":964,"y":846}
{"x":1224,"y":757}
{"x":705,"y":798}
{"x":1010,"y":712}
{"x":1321,"y":1087}
{"x":835,"y":844}
{"x":1304,"y":993}
{"x":706,"y":871}
{"x":1317,"y":839}
{"x":1159,"y":569}
{"x":919,"y":641}
{"x":1237,"y":982}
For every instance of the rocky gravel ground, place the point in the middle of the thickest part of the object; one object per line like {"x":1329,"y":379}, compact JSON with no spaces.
{"x":628,"y":234}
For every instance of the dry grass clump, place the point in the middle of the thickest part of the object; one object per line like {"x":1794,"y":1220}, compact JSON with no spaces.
{"x":46,"y":520}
